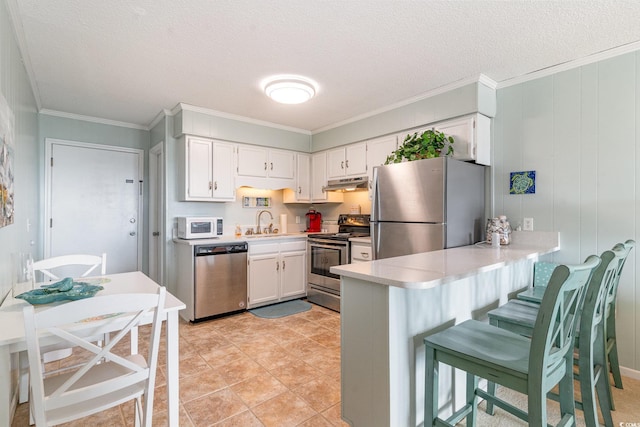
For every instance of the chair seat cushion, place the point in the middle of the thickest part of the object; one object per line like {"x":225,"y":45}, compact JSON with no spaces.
{"x":534,"y":294}
{"x":485,"y":344}
{"x":517,"y":312}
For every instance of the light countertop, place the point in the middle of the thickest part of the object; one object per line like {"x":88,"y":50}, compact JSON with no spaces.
{"x":243,"y":238}
{"x":431,"y":269}
{"x":363,"y":240}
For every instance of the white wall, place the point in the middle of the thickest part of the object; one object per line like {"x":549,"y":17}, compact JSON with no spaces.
{"x":578,"y":129}
{"x":15,"y":87}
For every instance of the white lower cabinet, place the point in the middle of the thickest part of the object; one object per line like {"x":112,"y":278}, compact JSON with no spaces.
{"x":277,"y":271}
{"x":360,"y":252}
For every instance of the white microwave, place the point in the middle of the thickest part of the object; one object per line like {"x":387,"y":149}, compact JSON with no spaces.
{"x":190,"y":227}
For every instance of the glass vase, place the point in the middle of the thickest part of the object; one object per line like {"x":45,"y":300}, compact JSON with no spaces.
{"x":22,"y":279}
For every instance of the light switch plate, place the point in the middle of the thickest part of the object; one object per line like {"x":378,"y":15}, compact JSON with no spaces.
{"x":527,"y":224}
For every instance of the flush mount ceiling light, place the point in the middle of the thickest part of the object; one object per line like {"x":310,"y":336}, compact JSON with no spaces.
{"x":290,"y":89}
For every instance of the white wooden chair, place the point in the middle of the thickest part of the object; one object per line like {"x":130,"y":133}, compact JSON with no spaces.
{"x":71,"y":264}
{"x":106,"y":379}
{"x":77,"y":265}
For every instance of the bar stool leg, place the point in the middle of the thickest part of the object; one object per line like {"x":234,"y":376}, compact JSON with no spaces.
{"x":431,"y":388}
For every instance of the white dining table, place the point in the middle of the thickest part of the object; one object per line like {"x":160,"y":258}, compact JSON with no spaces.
{"x":12,"y":338}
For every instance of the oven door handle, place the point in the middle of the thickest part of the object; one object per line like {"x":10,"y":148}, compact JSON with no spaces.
{"x":327,"y":245}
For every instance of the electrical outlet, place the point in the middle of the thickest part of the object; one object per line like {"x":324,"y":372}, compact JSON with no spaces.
{"x":527,"y":224}
{"x":297,"y":219}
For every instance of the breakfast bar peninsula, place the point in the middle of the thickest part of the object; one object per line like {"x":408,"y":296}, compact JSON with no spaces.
{"x":388,"y":306}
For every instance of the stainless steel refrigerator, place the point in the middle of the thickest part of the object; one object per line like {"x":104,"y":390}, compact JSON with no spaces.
{"x":426,"y":205}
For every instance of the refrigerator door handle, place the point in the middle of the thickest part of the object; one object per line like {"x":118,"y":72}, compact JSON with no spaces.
{"x":374,"y":240}
{"x":375,"y":205}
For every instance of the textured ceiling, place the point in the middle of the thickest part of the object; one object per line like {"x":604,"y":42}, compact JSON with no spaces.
{"x":126,"y":60}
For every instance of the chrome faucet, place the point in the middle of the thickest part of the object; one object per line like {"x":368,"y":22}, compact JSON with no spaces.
{"x":258,"y":217}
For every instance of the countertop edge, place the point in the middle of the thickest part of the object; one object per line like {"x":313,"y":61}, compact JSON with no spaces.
{"x":429,"y":270}
{"x":233,"y":239}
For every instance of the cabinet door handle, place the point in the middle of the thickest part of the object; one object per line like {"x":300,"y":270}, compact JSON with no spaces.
{"x":364,"y":254}
{"x":271,"y":165}
{"x":210,"y":185}
{"x":283,"y":265}
{"x":215,"y":185}
{"x":277,"y":266}
{"x":347,"y":163}
{"x":299,"y":190}
{"x":342,"y":164}
{"x":265,"y":165}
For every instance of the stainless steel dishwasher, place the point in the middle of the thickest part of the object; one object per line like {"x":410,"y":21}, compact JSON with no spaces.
{"x":220,"y":279}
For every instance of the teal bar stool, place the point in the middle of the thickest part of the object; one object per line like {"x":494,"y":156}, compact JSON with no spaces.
{"x":610,"y":321}
{"x":535,"y":294}
{"x":519,"y":317}
{"x":530,"y":366}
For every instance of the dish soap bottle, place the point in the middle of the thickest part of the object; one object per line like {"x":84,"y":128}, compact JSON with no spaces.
{"x":238,"y":231}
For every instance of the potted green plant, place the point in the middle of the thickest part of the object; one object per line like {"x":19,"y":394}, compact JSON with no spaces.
{"x":426,"y":145}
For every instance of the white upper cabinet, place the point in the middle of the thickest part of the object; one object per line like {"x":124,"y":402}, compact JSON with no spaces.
{"x":281,"y":164}
{"x":302,"y":191}
{"x":471,"y":135}
{"x":266,"y":168}
{"x":206,"y":172}
{"x":264,"y":162}
{"x":378,"y":150}
{"x":319,"y":180}
{"x":252,"y":161}
{"x":303,"y":177}
{"x":347,"y":161}
{"x":223,"y":175}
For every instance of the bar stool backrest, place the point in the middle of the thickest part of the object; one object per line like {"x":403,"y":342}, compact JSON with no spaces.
{"x":554,"y":330}
{"x":595,"y":303}
{"x":625,"y":248}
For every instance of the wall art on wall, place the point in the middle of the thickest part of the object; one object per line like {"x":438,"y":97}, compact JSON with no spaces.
{"x":7,"y":150}
{"x":522,"y":182}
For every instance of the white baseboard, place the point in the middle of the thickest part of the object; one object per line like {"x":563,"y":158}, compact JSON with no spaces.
{"x":631,"y":373}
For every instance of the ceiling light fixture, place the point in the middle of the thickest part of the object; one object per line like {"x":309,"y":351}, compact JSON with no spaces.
{"x":290,"y":89}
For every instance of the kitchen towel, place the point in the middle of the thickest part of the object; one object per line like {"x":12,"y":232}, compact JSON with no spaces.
{"x":283,"y":223}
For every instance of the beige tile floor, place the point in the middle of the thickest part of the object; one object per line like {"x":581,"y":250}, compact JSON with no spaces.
{"x":245,"y":371}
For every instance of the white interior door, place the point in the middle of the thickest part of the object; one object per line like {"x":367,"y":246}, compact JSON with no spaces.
{"x":94,"y":196}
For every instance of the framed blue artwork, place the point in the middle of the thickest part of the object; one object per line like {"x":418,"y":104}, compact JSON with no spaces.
{"x":522,"y":182}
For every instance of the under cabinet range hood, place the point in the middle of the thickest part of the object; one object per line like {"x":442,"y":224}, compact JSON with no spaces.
{"x":347,"y":184}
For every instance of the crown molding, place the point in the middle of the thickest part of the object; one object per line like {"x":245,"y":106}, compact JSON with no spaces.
{"x":434,"y":92}
{"x":161,"y":115}
{"x":187,"y":107}
{"x":569,"y":65}
{"x":99,"y":120}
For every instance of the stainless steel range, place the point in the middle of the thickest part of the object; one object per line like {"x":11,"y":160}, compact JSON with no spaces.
{"x":328,"y":250}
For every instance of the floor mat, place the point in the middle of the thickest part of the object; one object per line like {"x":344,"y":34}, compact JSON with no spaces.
{"x":282,"y":309}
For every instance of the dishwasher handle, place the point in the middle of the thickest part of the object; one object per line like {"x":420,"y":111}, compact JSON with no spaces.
{"x":208,"y":250}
